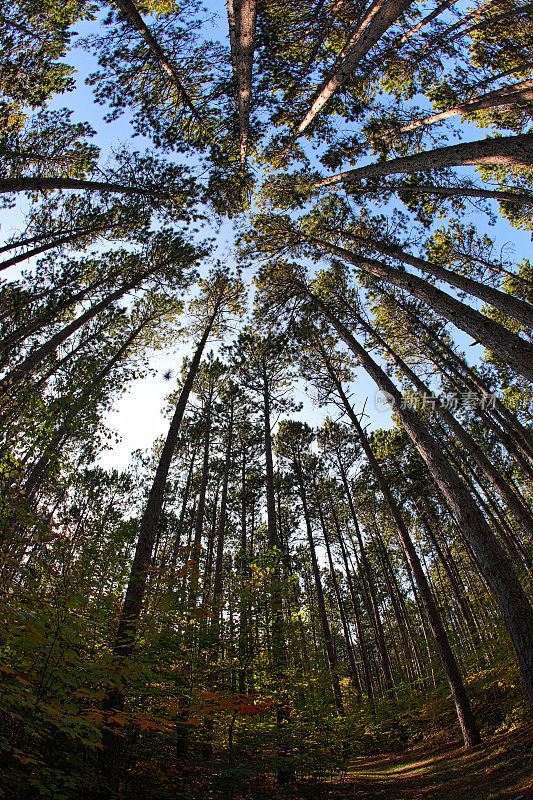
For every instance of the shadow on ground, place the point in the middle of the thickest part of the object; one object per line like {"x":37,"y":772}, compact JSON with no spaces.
{"x":499,"y":769}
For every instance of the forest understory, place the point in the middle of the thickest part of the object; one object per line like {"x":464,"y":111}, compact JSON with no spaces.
{"x":266,"y":411}
{"x":500,"y":769}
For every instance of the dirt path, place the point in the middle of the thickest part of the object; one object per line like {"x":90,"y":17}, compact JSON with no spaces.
{"x":499,"y":769}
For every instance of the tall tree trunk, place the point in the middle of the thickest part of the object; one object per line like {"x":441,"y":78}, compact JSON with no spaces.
{"x":207,"y":649}
{"x":244,"y":638}
{"x":326,"y":630}
{"x":489,"y":508}
{"x":181,"y":520}
{"x":25,"y":367}
{"x":521,"y":198}
{"x":507,"y":95}
{"x":338,"y":597}
{"x":521,"y":435}
{"x":395,"y":597}
{"x":279,"y":646}
{"x":54,"y":368}
{"x":368,"y":574}
{"x":37,"y":474}
{"x":509,"y":595}
{"x":422,"y":616}
{"x":456,"y":589}
{"x":200,"y":510}
{"x":446,"y":38}
{"x":514,"y":350}
{"x":40,"y":320}
{"x":465,"y":716}
{"x":36,"y":251}
{"x":505,"y":432}
{"x":518,"y":309}
{"x":459,"y":367}
{"x":210,"y":549}
{"x":273,"y":540}
{"x":367,"y":672}
{"x":12,"y":185}
{"x":405,"y":615}
{"x":496,"y":480}
{"x":381,"y":16}
{"x":130,"y":11}
{"x":321,"y":38}
{"x":428,"y":18}
{"x":222,"y":521}
{"x":516,"y":150}
{"x":131,"y":609}
{"x":502,"y":423}
{"x":241,"y":19}
{"x":37,"y":239}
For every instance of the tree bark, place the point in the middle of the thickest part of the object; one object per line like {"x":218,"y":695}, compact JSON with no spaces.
{"x":446,"y":39}
{"x":367,"y":672}
{"x":37,"y":239}
{"x":222,"y":520}
{"x":439,"y":10}
{"x":35,"y":251}
{"x":504,"y":150}
{"x":514,"y":350}
{"x":244,"y":637}
{"x":510,"y":597}
{"x":17,"y":336}
{"x":523,"y":198}
{"x":38,"y":472}
{"x":49,"y":184}
{"x":381,"y":16}
{"x":269,"y":467}
{"x":62,"y":361}
{"x":200,"y":510}
{"x":500,"y":97}
{"x":338,"y":597}
{"x":131,"y":609}
{"x":181,"y":520}
{"x":321,"y":38}
{"x":456,"y":589}
{"x":458,"y":367}
{"x":410,"y":659}
{"x":241,"y":20}
{"x":368,"y":574}
{"x":279,"y":646}
{"x":326,"y":630}
{"x":131,"y":13}
{"x":27,"y":366}
{"x":496,"y":480}
{"x":518,"y":309}
{"x":465,"y":716}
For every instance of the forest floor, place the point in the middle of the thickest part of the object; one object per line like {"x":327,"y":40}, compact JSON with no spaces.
{"x":499,"y":769}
